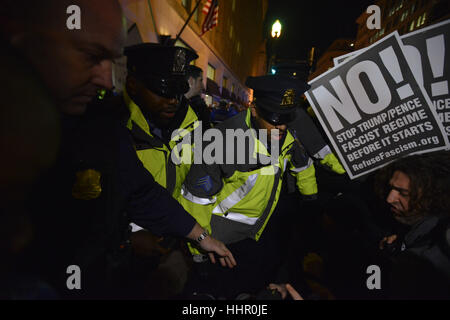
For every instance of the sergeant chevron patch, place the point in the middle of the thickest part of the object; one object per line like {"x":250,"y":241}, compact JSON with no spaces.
{"x":204,"y":183}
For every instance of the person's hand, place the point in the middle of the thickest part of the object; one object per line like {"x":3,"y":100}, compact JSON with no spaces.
{"x":281,"y":288}
{"x":284,"y":289}
{"x":294,"y":294}
{"x":211,"y":245}
{"x":388,"y":240}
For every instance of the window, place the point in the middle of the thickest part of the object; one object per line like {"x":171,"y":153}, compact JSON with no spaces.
{"x":225,"y":83}
{"x":424,"y":16}
{"x":211,"y":73}
{"x":196,"y":15}
{"x":404,"y":15}
{"x":232,"y":88}
{"x":421,"y":20}
{"x":233,"y":6}
{"x":231,"y":32}
{"x":411,"y":27}
{"x":238,"y":48}
{"x":186,"y":4}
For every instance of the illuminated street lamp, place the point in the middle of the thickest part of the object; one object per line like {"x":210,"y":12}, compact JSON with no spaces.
{"x":276,"y":33}
{"x":276,"y":29}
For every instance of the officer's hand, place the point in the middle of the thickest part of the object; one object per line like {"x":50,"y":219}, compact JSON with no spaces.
{"x":211,"y":245}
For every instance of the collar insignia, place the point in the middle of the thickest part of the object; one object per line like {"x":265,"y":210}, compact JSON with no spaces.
{"x":288,"y":98}
{"x":179,"y":61}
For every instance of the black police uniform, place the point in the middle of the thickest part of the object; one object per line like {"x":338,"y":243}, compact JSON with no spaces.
{"x":82,"y":207}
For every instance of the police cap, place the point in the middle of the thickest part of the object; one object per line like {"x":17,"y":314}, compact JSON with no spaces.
{"x":161,"y":68}
{"x":277,"y":96}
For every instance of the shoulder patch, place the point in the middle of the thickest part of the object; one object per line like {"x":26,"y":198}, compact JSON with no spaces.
{"x":205,"y":183}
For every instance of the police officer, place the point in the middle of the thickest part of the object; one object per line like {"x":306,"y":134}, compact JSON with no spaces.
{"x":154,"y":97}
{"x":246,"y":203}
{"x":159,"y":115}
{"x":82,"y":206}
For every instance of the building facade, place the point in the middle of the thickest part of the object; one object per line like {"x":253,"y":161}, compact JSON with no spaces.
{"x":402,"y":15}
{"x":228,"y":53}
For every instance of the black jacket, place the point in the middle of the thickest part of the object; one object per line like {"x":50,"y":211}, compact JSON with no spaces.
{"x":422,"y":268}
{"x":77,"y":225}
{"x":201,"y":109}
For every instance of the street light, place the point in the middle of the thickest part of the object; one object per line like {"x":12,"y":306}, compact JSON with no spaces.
{"x":271,"y":46}
{"x":276,"y":29}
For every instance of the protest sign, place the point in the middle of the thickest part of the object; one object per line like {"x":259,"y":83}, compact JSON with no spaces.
{"x":373,"y":110}
{"x":427,"y":51}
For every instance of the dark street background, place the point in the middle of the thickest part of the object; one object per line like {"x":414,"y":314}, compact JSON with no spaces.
{"x":313,"y":23}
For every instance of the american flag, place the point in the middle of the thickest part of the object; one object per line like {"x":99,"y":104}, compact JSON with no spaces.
{"x":211,"y":9}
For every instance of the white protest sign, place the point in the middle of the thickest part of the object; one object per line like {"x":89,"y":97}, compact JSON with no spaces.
{"x":427,"y":51}
{"x":373,"y":110}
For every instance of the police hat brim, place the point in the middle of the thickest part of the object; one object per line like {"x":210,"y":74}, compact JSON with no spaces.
{"x":276,"y":118}
{"x":167,"y":87}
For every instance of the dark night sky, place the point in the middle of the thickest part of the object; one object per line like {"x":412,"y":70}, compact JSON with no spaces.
{"x":313,"y":23}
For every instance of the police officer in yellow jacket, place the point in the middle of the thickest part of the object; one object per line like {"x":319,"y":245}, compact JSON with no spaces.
{"x":239,"y":196}
{"x":154,"y":96}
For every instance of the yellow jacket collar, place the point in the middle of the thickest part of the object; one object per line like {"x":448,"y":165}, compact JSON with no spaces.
{"x":136,"y":115}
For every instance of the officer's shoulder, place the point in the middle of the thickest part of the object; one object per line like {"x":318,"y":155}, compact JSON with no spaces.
{"x":235,"y":122}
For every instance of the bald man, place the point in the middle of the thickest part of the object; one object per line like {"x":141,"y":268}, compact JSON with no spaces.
{"x":74,"y":64}
{"x":82,"y":207}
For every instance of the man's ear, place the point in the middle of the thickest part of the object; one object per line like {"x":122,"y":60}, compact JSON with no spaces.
{"x":191,"y":82}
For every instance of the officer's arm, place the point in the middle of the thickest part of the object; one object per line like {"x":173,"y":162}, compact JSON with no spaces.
{"x":150,"y":206}
{"x":147,"y":203}
{"x":154,"y":209}
{"x":302,"y":168}
{"x":304,"y":129}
